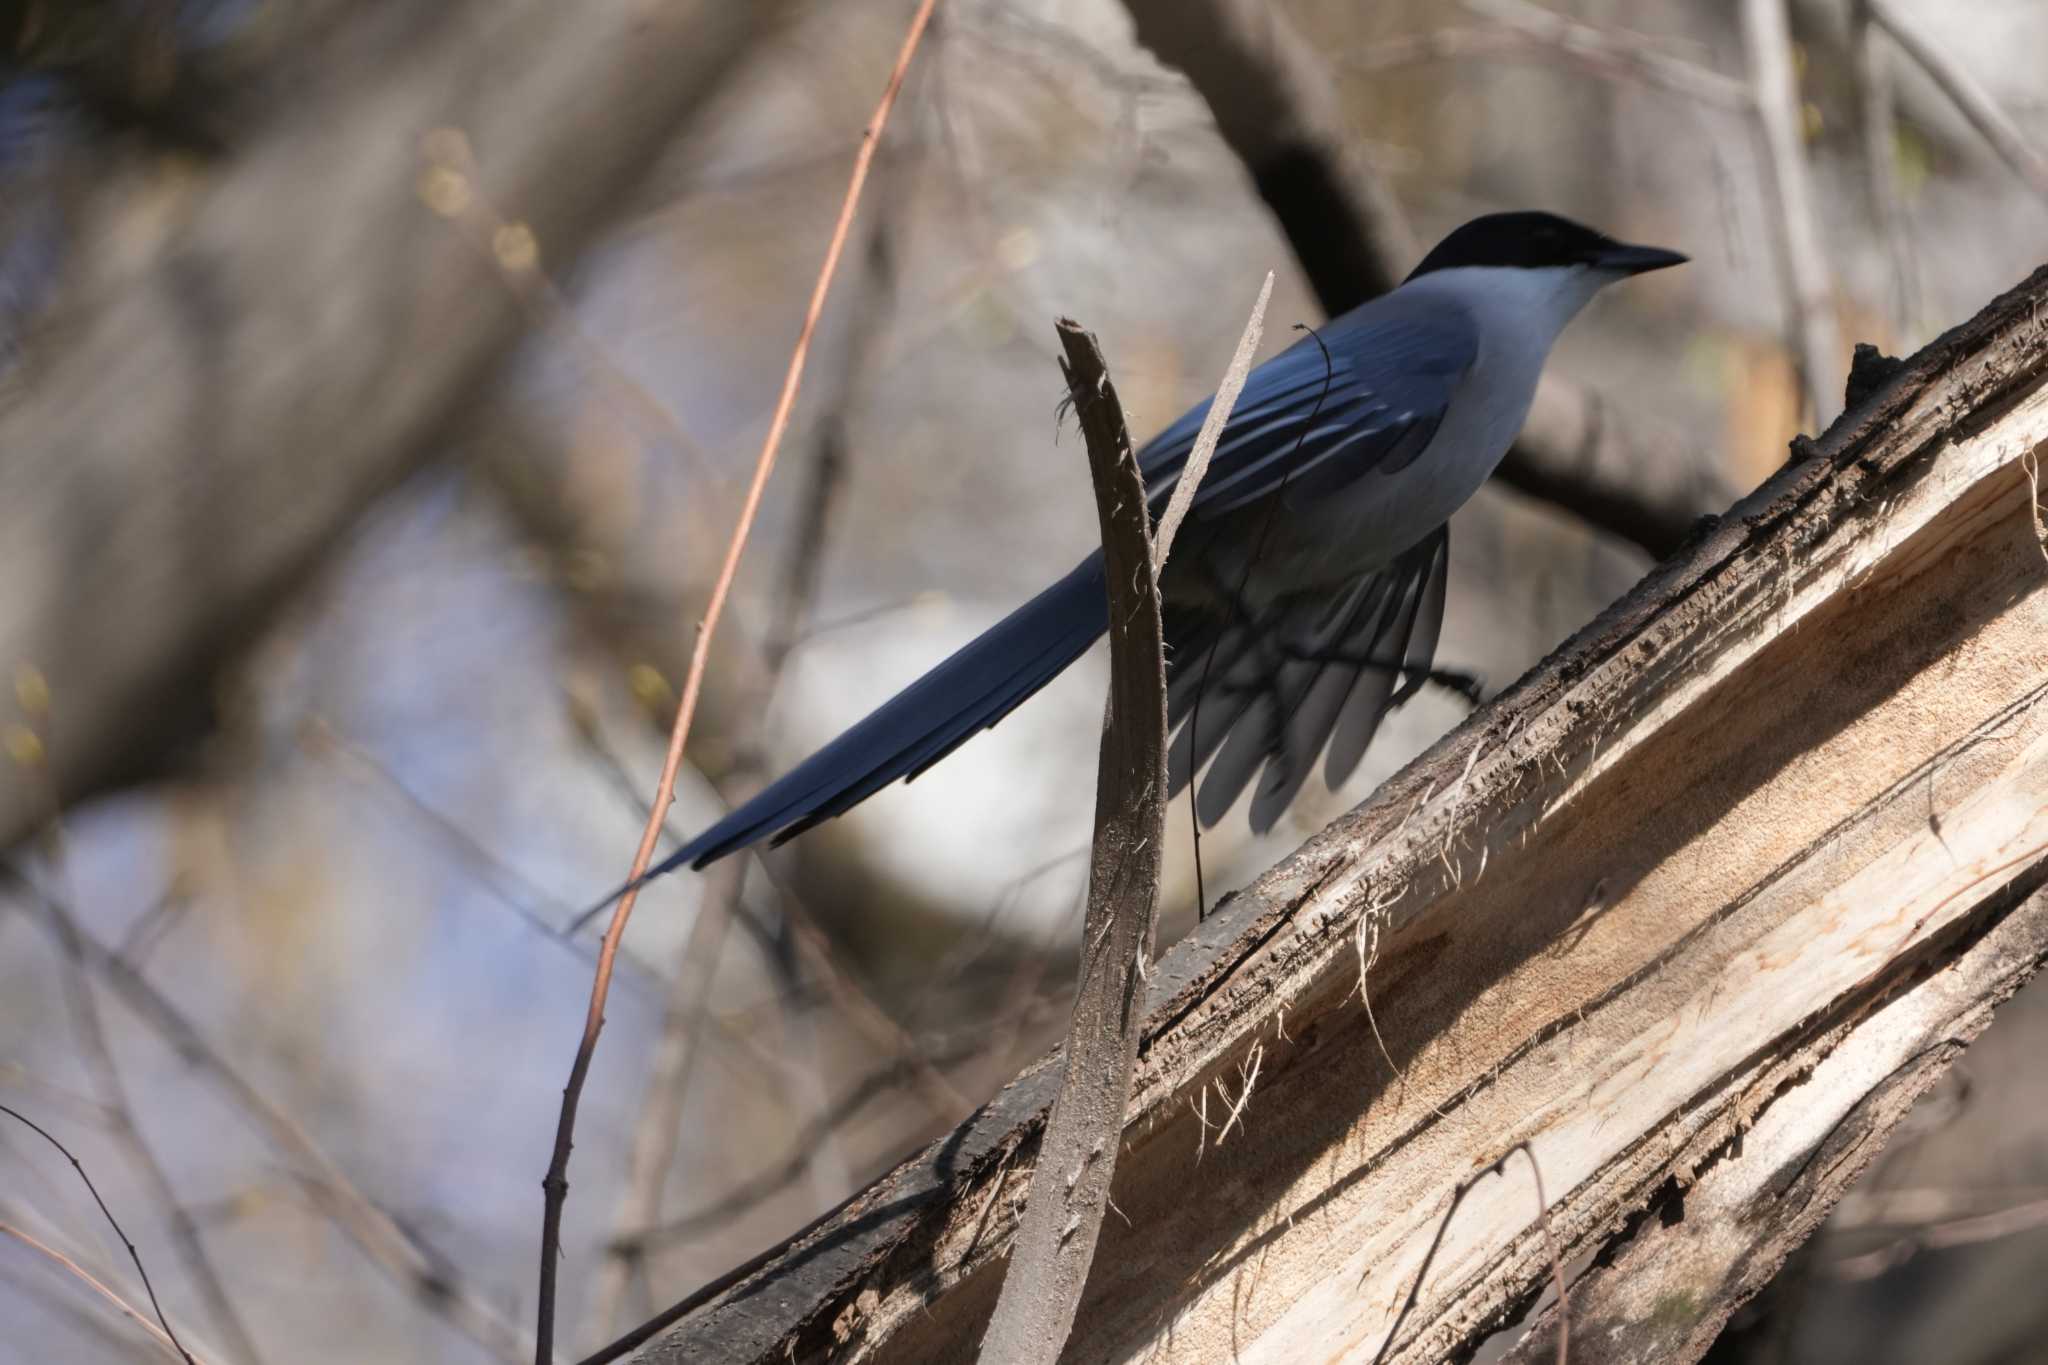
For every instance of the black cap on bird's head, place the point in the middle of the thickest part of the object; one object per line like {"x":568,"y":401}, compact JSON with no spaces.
{"x":1530,"y":240}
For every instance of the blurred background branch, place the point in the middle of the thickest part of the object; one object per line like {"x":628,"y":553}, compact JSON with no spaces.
{"x":152,"y":520}
{"x":1809,"y":288}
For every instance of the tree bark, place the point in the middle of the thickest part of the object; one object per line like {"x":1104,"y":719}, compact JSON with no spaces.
{"x":1070,"y":1190}
{"x":1693,"y":910}
{"x":201,"y":427}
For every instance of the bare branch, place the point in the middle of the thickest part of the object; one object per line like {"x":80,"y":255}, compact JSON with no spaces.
{"x":1277,"y":107}
{"x":127,"y":1133}
{"x":168,"y":1337}
{"x":1641,"y":480}
{"x":160,"y":1335}
{"x":1213,"y":423}
{"x":1810,"y":301}
{"x":653,"y":1146}
{"x":1078,"y":1154}
{"x":1874,"y":76}
{"x":659,"y":1125}
{"x":897,"y":1073}
{"x":555,"y":1186}
{"x":1617,"y":52}
{"x":117,"y":1342}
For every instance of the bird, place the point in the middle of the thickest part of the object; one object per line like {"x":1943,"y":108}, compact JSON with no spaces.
{"x":1304,"y":594}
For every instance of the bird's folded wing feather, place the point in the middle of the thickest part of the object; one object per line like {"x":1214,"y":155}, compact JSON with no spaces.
{"x":1309,"y":672}
{"x":1365,"y":393}
{"x":1305,"y":422}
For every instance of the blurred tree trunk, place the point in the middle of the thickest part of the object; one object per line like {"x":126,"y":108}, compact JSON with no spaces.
{"x":1681,"y":925}
{"x":272,"y":348}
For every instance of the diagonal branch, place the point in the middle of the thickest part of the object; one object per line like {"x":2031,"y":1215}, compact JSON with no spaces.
{"x":1212,"y":428}
{"x":1070,"y":1182}
{"x":127,"y":1133}
{"x":1523,"y":30}
{"x":160,"y":1335}
{"x":426,"y":1277}
{"x":167,"y":1335}
{"x":1767,"y":35}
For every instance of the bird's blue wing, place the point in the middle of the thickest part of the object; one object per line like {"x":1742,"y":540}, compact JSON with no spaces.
{"x":1303,"y":423}
{"x":1314,"y":672}
{"x":1317,"y":416}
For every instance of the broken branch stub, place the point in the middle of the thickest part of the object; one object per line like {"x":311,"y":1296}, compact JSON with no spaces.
{"x":1069,"y":1189}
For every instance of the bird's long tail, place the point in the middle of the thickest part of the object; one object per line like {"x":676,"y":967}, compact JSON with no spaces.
{"x":972,"y":690}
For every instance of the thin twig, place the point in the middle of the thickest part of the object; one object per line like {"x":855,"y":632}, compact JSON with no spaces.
{"x":588,"y":732}
{"x":803,"y":1152}
{"x":555,"y":1186}
{"x":1767,"y":35}
{"x":127,"y":1133}
{"x":684,"y":1022}
{"x":160,"y":1335}
{"x":1212,"y":427}
{"x":1183,"y":498}
{"x":652,"y":1149}
{"x":79,"y":1108}
{"x":116,"y":1112}
{"x":874,"y":1023}
{"x":119,"y":1345}
{"x":535,"y":908}
{"x":1617,"y":52}
{"x":167,"y":1336}
{"x":804,"y":1146}
{"x":659,"y":1123}
{"x":1971,"y":100}
{"x":1939,"y":1235}
{"x":1874,"y":76}
{"x":91,"y":1039}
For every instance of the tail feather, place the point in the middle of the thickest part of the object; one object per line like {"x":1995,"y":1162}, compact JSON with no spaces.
{"x":980,"y":684}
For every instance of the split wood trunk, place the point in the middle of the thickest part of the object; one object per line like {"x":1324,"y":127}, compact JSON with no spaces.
{"x":1684,"y":922}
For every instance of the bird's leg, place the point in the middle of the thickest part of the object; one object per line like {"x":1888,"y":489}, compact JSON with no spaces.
{"x":1466,"y":685}
{"x":1413,"y":679}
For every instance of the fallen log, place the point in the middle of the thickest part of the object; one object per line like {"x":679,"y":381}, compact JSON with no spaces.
{"x":1689,"y":915}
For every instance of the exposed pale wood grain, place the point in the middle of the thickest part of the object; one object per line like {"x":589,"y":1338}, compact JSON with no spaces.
{"x":1728,"y":876}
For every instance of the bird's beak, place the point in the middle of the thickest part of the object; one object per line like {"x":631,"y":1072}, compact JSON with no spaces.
{"x":1634,"y":260}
